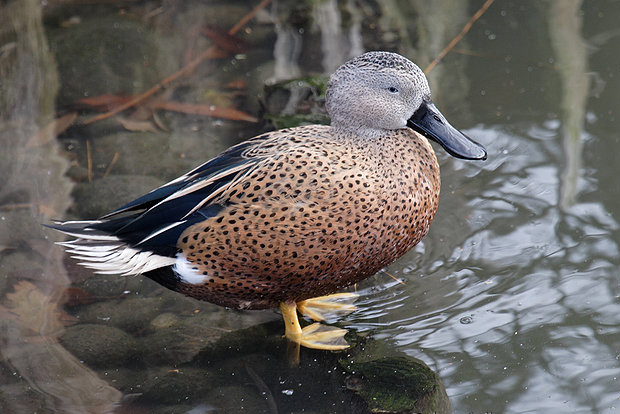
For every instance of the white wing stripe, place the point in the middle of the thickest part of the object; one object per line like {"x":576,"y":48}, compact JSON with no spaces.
{"x":150,"y":236}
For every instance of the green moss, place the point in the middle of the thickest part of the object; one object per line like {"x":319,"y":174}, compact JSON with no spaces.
{"x":317,"y":84}
{"x":392,"y":384}
{"x":290,"y":121}
{"x":296,"y":102}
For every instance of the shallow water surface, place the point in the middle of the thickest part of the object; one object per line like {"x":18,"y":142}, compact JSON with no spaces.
{"x":512,"y":298}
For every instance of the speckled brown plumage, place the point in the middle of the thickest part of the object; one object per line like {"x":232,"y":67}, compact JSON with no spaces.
{"x":321,"y":212}
{"x":296,"y":213}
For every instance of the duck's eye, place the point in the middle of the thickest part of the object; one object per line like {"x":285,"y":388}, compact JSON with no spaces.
{"x":392,"y":89}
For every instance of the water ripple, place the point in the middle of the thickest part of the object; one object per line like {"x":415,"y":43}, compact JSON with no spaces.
{"x":510,"y":294}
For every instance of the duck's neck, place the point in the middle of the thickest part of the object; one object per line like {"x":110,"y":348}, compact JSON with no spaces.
{"x":381,"y":142}
{"x":362,"y":133}
{"x":394,"y":151}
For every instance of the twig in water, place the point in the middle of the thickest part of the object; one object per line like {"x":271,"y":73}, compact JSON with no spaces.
{"x":394,"y":277}
{"x":459,"y":36}
{"x":89,"y":161}
{"x":114,"y":159}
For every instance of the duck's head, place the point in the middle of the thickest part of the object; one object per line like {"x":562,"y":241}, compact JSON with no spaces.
{"x":381,"y":91}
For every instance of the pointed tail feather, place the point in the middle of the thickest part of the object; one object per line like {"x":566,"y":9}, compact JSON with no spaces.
{"x":106,"y":253}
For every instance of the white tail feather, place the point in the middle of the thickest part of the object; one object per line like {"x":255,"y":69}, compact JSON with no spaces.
{"x":107,"y":254}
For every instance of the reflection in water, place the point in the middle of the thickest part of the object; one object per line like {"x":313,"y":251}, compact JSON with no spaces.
{"x":33,"y":190}
{"x":337,"y":46}
{"x":512,"y":298}
{"x":338,"y":42}
{"x":565,"y":23}
{"x":526,"y":304}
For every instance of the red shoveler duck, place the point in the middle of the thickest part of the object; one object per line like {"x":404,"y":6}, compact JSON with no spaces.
{"x":289,"y":216}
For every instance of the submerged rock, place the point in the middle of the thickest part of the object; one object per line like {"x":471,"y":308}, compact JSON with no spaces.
{"x":110,"y":286}
{"x":177,"y":386}
{"x":107,"y":194}
{"x":397,"y":385}
{"x":132,"y":315}
{"x":99,"y":345}
{"x":184,"y":361}
{"x":178,"y":341}
{"x":369,"y":377}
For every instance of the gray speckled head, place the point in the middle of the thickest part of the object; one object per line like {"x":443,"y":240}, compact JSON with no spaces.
{"x":374,"y":92}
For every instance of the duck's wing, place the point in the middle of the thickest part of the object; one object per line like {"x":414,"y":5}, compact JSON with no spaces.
{"x":211,"y":175}
{"x":153,"y":223}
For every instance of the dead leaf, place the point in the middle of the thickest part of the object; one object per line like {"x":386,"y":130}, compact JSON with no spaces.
{"x":5,"y":247}
{"x":216,"y":53}
{"x":237,"y":84}
{"x":225,"y":41}
{"x":51,"y":130}
{"x":207,"y":110}
{"x":105,"y":102}
{"x":33,"y":309}
{"x":136,"y":126}
{"x":141,"y":113}
{"x":160,"y":124}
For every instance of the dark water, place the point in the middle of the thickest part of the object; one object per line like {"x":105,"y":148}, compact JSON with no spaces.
{"x":512,"y":298}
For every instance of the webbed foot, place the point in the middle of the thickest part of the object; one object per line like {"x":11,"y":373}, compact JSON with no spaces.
{"x":321,"y":307}
{"x":314,"y":336}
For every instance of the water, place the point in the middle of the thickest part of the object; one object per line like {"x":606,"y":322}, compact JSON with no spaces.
{"x":512,"y":298}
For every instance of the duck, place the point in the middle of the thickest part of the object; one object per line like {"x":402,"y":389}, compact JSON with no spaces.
{"x":290,"y":217}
